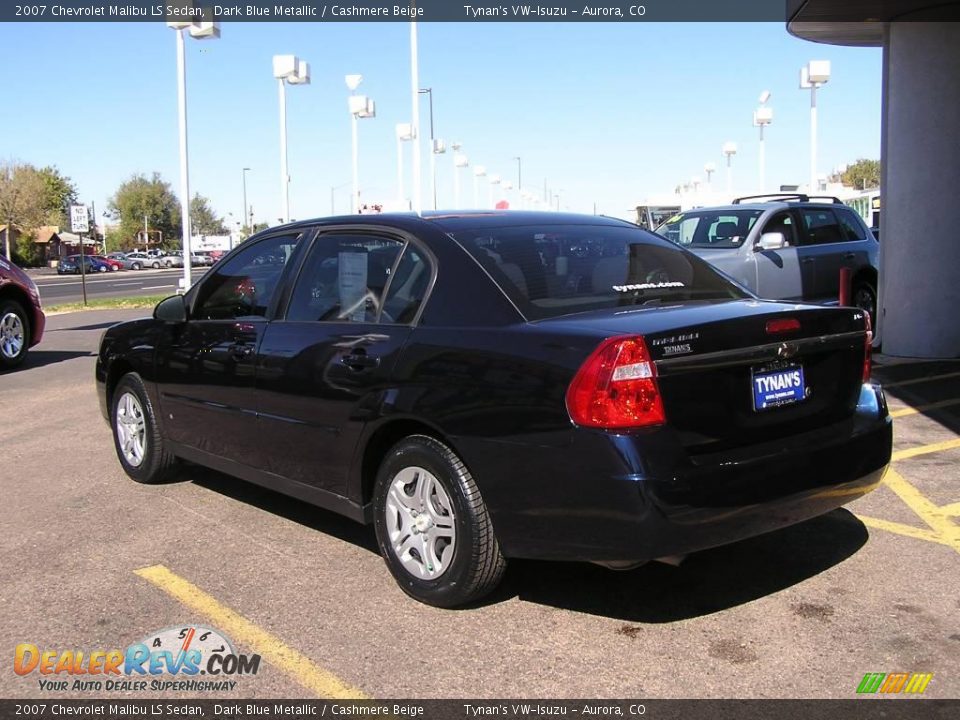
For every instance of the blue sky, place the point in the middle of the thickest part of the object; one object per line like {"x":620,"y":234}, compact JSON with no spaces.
{"x":607,"y":113}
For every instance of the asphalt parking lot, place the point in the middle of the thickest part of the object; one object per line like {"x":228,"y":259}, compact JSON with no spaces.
{"x":93,"y":560}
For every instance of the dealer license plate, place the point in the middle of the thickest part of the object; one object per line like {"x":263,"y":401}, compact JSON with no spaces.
{"x":776,"y":388}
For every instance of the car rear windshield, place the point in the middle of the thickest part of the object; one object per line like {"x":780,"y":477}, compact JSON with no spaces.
{"x":710,"y":228}
{"x":549,"y":271}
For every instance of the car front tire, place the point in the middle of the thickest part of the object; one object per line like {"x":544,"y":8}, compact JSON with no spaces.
{"x":136,"y":266}
{"x":433,"y":528}
{"x":156,"y":265}
{"x":136,"y":435}
{"x":14,"y":334}
{"x":865,"y":298}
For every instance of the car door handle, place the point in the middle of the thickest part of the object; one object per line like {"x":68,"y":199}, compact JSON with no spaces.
{"x":241,"y":351}
{"x":807,"y":260}
{"x":849,"y":256}
{"x":359,"y":360}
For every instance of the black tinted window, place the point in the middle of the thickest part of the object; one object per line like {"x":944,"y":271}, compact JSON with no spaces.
{"x":556,"y":270}
{"x":822,"y":226}
{"x":344,"y":279}
{"x":408,"y":287}
{"x":851,"y":225}
{"x":244,"y":285}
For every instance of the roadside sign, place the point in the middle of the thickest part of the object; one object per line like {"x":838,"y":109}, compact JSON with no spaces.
{"x":79,"y":219}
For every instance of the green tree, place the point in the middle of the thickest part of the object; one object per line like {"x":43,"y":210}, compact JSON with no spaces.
{"x":59,"y":193}
{"x":29,"y":198}
{"x":863,"y":174}
{"x":150,"y":198}
{"x":203,"y":219}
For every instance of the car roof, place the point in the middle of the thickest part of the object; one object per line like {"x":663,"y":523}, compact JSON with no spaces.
{"x":454,"y":220}
{"x":770,"y":205}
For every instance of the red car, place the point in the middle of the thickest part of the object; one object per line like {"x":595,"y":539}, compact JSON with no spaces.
{"x":114,"y":264}
{"x":21,"y":317}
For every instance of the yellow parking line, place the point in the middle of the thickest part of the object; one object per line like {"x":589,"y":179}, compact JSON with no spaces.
{"x":914,"y":381}
{"x":268,"y":646}
{"x":901,"y":529}
{"x":953,"y":510}
{"x":924,"y":449}
{"x":902,"y":412}
{"x":932,"y":515}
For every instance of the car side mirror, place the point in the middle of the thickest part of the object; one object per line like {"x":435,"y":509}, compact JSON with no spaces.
{"x":771,"y":241}
{"x":171,"y":310}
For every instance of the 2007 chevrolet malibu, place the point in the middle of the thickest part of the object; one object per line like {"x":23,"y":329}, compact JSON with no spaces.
{"x":494,"y":385}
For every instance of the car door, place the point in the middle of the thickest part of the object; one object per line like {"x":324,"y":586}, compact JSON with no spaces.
{"x":323,"y":366}
{"x":828,"y":244}
{"x":205,"y":366}
{"x":783,"y":274}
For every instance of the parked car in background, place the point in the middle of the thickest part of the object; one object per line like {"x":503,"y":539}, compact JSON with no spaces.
{"x":112,"y":262}
{"x":501,"y":384}
{"x":21,"y":315}
{"x":155,"y":253}
{"x":784,"y":246}
{"x":172,"y":260}
{"x":70,"y":265}
{"x":140,"y":260}
{"x":202,"y":259}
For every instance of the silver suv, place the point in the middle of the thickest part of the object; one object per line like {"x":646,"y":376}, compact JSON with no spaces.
{"x":785,"y":247}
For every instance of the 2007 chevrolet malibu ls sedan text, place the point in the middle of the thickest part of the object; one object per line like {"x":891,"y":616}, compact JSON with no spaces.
{"x":481,"y":386}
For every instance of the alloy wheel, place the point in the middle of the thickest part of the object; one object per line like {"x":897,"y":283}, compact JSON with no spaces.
{"x":131,"y":428}
{"x":421,"y":523}
{"x":11,"y":335}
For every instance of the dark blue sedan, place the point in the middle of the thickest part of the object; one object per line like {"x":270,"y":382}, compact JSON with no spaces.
{"x":70,"y":265}
{"x":493,"y":385}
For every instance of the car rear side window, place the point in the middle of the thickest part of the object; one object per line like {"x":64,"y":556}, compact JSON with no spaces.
{"x":245,"y":284}
{"x":851,"y":225}
{"x":549,"y":271}
{"x":345,"y":279}
{"x":822,"y":226}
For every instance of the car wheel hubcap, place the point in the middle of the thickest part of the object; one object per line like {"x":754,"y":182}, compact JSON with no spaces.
{"x":864,"y":300}
{"x":11,"y":335}
{"x":131,"y":428}
{"x":420,"y":523}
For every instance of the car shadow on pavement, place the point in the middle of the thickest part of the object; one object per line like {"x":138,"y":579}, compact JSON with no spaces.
{"x":40,"y":358}
{"x":311,"y":516}
{"x":96,"y":326}
{"x":707,"y":582}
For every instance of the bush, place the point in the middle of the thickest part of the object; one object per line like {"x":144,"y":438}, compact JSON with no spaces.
{"x":26,"y":253}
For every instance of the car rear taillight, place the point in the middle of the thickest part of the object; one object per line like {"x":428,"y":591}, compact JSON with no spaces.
{"x":867,"y":349}
{"x":782,"y":325}
{"x":616,"y":388}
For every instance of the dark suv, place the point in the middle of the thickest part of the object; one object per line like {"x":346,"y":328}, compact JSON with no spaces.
{"x":21,"y":317}
{"x":784,"y":247}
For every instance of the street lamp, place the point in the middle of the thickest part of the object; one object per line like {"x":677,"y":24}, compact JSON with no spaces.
{"x":519,"y":172}
{"x":360,"y":106}
{"x":762,"y":117}
{"x":491,"y":181}
{"x":709,"y":169}
{"x":507,"y":191}
{"x":729,"y":149}
{"x":479,"y":171}
{"x":245,"y":217}
{"x":437,"y":147}
{"x":200,"y":31}
{"x":459,"y":161}
{"x":415,"y":118}
{"x":287,"y":69}
{"x":815,"y":74}
{"x":404,"y":134}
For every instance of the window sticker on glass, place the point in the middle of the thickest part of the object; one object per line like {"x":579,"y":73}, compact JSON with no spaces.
{"x":352,"y":281}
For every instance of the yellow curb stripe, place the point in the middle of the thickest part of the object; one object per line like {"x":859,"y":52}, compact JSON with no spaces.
{"x":915,"y":381}
{"x":268,"y":646}
{"x":901,"y":529}
{"x":953,"y":510}
{"x":903,"y":412}
{"x":932,"y":515}
{"x":925,"y":449}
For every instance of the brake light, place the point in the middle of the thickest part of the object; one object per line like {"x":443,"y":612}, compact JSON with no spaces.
{"x":616,"y":388}
{"x":867,"y":349}
{"x":782,"y":325}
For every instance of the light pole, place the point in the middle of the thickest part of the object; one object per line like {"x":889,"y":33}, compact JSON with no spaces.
{"x":479,"y":171}
{"x":491,"y":181}
{"x":246,"y":215}
{"x":508,"y":191}
{"x":404,"y":134}
{"x":287,"y":69}
{"x":459,"y":161}
{"x":200,"y":31}
{"x":415,"y":119}
{"x":519,"y":172}
{"x":709,"y":169}
{"x":729,"y":149}
{"x":360,"y":106}
{"x":815,"y":74}
{"x":762,"y":117}
{"x":437,"y":147}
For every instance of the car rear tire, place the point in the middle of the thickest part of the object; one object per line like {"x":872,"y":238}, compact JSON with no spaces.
{"x":14,"y":334}
{"x":136,"y":266}
{"x":136,"y":435}
{"x":433,"y":527}
{"x":102,"y":268}
{"x":865,"y":297}
{"x":156,"y":265}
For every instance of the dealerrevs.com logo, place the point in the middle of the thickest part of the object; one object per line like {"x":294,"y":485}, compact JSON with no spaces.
{"x":186,"y":659}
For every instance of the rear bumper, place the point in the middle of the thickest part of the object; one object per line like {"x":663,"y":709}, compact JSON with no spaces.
{"x":628,"y":498}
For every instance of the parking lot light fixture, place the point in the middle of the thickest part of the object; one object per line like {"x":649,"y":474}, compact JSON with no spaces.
{"x":709,"y":169}
{"x":762,"y":117}
{"x":404,"y":134}
{"x":200,"y":31}
{"x":287,"y":69}
{"x":360,"y":106}
{"x":813,"y":75}
{"x":459,"y":161}
{"x":729,"y":150}
{"x":491,"y":182}
{"x":479,"y":171}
